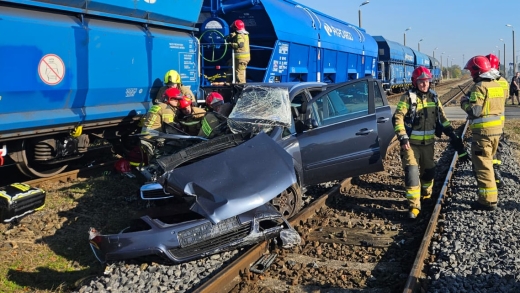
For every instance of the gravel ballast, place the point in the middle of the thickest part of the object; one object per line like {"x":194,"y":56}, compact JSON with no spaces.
{"x":477,"y":250}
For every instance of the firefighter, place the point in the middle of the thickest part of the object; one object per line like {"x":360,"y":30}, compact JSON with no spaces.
{"x":190,"y":117}
{"x":497,"y":159}
{"x":214,"y":122}
{"x":162,"y":115}
{"x":239,"y":41}
{"x":172,"y":79}
{"x":485,"y":107}
{"x":417,"y":117}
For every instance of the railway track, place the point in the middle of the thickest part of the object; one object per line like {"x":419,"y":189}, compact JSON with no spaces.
{"x":444,"y":90}
{"x":97,"y":157}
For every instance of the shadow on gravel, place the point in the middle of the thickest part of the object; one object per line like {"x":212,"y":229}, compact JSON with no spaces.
{"x":106,"y":203}
{"x":49,"y":279}
{"x":476,"y":282}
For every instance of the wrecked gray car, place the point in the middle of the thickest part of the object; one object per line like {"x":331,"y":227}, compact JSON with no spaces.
{"x":212,"y":217}
{"x":331,"y":132}
{"x":284,"y":137}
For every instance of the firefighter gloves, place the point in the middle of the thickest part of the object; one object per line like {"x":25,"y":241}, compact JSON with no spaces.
{"x":458,"y":145}
{"x":403,"y":139}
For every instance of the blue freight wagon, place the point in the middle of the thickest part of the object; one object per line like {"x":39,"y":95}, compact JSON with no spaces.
{"x":396,"y":64}
{"x":435,"y":69}
{"x":74,"y":70}
{"x":421,"y":59}
{"x":289,"y":42}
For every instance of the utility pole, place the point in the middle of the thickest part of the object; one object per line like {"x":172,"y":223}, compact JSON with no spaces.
{"x":359,"y":11}
{"x":404,"y":43}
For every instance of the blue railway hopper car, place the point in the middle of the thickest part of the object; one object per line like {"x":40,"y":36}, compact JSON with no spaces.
{"x":396,"y":64}
{"x":75,"y":70}
{"x":435,"y":69}
{"x":421,"y":59}
{"x":289,"y":42}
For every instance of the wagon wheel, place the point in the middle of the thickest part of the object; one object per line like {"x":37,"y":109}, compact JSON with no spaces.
{"x":21,"y":154}
{"x":289,"y":202}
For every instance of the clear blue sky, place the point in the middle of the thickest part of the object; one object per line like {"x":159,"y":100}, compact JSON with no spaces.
{"x":455,"y":27}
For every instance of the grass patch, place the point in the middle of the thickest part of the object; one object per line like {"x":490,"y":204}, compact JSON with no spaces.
{"x":48,"y":251}
{"x":512,"y":133}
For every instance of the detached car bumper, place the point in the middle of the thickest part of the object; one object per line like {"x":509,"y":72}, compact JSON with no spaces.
{"x":188,"y":240}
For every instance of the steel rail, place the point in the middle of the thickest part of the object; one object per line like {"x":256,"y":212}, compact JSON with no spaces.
{"x":227,"y":278}
{"x":415,"y":274}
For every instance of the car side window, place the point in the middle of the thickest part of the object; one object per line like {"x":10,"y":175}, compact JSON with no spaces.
{"x":296,"y":112}
{"x":344,"y":103}
{"x":378,"y":97}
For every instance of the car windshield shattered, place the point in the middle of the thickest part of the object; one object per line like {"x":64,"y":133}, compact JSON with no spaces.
{"x":260,"y":108}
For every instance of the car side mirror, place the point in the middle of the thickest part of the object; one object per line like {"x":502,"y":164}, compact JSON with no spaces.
{"x":311,"y":123}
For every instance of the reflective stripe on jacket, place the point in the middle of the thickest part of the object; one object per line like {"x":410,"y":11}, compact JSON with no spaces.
{"x":428,"y":111}
{"x":157,"y":115}
{"x":485,"y":107}
{"x":240,"y":43}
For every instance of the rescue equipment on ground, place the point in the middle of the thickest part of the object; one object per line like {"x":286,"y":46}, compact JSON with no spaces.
{"x":18,"y":200}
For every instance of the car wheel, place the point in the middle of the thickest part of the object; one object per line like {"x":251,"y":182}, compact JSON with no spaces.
{"x":289,"y":202}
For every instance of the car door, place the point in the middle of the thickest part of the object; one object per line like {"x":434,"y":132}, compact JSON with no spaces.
{"x":344,"y":140}
{"x":384,"y":118}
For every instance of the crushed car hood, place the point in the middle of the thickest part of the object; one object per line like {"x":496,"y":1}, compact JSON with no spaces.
{"x":234,"y":181}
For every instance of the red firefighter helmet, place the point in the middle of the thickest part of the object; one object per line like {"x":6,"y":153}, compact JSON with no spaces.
{"x":420,"y":72}
{"x":478,"y":65}
{"x":214,"y":99}
{"x":122,"y":166}
{"x":172,"y":93}
{"x":184,"y":103}
{"x":493,"y":61}
{"x":238,"y":24}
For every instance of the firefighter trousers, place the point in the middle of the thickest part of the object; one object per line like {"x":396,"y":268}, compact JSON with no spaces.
{"x":419,"y":172}
{"x":239,"y":70}
{"x":483,"y":149}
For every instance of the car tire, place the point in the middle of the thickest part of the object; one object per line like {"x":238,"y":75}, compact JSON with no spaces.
{"x":289,"y":202}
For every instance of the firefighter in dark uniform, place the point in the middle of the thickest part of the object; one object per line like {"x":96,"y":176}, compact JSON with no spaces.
{"x":190,"y":117}
{"x":239,"y":41}
{"x":485,"y":107}
{"x":416,"y":118}
{"x":214,"y":122}
{"x":172,"y":79}
{"x":497,"y":159}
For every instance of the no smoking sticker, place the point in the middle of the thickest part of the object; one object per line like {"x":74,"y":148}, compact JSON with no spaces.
{"x":51,"y":69}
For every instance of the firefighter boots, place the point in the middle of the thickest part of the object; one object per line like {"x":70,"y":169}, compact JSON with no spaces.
{"x":413,"y":213}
